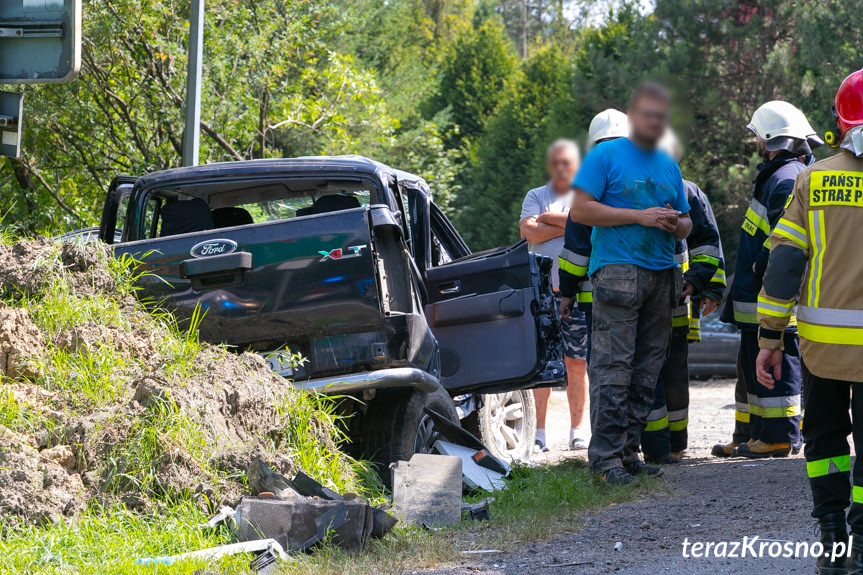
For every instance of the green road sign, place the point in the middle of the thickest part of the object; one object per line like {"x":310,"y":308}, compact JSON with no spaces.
{"x":11,"y":111}
{"x":40,"y":41}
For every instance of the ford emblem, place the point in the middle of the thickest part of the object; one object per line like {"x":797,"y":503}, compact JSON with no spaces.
{"x":216,"y":247}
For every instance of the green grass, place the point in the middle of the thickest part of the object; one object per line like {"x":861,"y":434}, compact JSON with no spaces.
{"x":110,"y":540}
{"x":538,"y":503}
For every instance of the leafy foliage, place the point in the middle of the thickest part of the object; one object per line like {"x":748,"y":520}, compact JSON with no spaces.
{"x":433,"y":87}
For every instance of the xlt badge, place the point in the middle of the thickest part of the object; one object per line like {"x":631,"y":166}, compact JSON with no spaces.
{"x":339,"y":254}
{"x":213,"y":248}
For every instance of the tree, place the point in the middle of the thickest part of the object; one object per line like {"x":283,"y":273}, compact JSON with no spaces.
{"x":509,"y":158}
{"x":271,"y":83}
{"x":473,"y":79}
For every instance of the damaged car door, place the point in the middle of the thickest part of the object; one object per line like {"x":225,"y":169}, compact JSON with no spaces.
{"x":492,"y":313}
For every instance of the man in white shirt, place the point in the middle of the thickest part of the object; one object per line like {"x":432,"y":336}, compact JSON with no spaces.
{"x":543,"y":219}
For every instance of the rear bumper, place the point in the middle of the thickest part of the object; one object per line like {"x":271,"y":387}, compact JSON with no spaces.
{"x":394,"y":378}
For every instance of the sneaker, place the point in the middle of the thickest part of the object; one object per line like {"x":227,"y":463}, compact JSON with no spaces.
{"x":616,"y":476}
{"x":578,"y":444}
{"x":641,"y":468}
{"x":541,"y":446}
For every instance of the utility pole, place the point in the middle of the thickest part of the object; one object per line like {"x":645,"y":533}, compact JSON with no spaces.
{"x":191,"y":134}
{"x":524,"y":28}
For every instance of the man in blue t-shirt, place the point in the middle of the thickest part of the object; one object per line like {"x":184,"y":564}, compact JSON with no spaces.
{"x":632,"y":194}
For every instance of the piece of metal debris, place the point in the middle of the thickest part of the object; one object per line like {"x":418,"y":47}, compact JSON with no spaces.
{"x":427,"y":490}
{"x":618,"y":546}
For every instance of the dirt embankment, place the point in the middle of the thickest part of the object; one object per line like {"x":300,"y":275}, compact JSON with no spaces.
{"x":125,"y":409}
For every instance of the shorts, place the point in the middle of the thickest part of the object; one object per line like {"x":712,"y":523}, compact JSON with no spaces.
{"x":573,"y":332}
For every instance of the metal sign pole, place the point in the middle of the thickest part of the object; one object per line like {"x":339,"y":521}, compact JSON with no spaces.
{"x":191,"y":134}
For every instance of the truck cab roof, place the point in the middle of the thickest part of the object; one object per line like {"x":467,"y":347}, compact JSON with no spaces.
{"x":311,"y":165}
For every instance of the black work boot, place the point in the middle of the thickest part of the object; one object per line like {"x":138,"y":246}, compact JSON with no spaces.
{"x":854,"y":564}
{"x":833,"y":530}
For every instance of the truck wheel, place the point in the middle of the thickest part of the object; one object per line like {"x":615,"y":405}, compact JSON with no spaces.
{"x":507,"y":424}
{"x":396,"y":426}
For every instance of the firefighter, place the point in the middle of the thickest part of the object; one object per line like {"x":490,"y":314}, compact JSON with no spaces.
{"x":665,"y":437}
{"x":575,"y":286}
{"x":818,"y":241}
{"x":768,"y":421}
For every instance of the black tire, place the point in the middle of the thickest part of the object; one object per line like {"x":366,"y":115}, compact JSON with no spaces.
{"x":517,"y":442}
{"x":395,"y":426}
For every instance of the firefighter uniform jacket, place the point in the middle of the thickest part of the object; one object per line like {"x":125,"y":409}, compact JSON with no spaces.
{"x":818,"y":241}
{"x":771,"y":191}
{"x":574,"y":261}
{"x":705,"y":249}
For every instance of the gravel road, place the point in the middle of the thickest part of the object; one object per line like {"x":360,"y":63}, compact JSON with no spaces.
{"x":711,"y":501}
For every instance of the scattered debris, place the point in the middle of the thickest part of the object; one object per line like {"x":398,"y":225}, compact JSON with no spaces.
{"x":570,"y":564}
{"x":478,"y":511}
{"x":427,"y":490}
{"x":262,"y":480}
{"x":618,"y":546}
{"x":475,"y":476}
{"x":301,"y":522}
{"x":480,"y":551}
{"x":267,"y":546}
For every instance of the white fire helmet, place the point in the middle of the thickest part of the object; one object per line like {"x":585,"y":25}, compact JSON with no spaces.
{"x":671,"y":145}
{"x":607,"y":125}
{"x":783,"y":127}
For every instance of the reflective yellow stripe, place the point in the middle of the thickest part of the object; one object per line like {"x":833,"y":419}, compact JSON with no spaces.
{"x":657,"y":424}
{"x":574,"y":258}
{"x":766,"y":243}
{"x":754,"y":220}
{"x":584,"y":297}
{"x":719,"y":277}
{"x":741,"y":416}
{"x":816,"y":231}
{"x":707,"y":259}
{"x":857,"y":494}
{"x":822,"y":467}
{"x":774,"y":412}
{"x":774,"y":308}
{"x":792,"y":232}
{"x":745,"y":312}
{"x":828,"y":334}
{"x":776,"y":304}
{"x":678,"y":425}
{"x":770,"y":312}
{"x":680,"y":321}
{"x":571,"y":268}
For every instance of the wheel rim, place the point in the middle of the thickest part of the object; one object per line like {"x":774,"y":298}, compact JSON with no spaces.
{"x":506,"y":414}
{"x":426,"y":435}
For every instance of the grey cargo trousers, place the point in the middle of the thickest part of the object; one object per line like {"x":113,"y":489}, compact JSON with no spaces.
{"x":630,"y":334}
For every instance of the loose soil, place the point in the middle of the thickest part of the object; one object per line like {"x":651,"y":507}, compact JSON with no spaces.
{"x":68,"y":452}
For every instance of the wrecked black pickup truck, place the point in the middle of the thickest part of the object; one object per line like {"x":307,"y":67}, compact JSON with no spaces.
{"x":350,"y":264}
